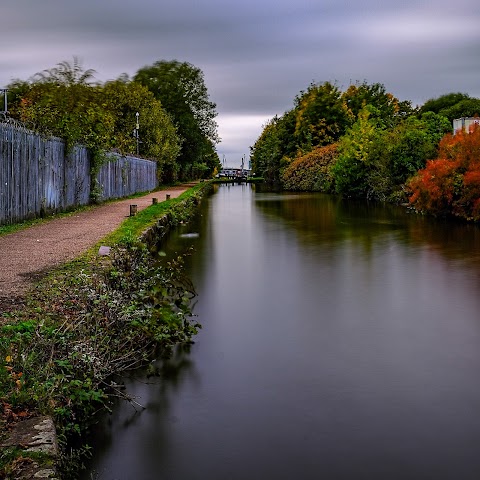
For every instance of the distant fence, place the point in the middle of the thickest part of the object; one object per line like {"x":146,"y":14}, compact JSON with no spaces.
{"x":36,"y":177}
{"x":124,"y":175}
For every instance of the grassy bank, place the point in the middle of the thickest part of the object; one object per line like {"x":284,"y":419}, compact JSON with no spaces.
{"x":89,"y":321}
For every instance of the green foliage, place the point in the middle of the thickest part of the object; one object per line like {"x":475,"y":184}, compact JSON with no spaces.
{"x":318,"y":118}
{"x":453,"y":105}
{"x":181,"y":89}
{"x":321,"y":117}
{"x":60,"y":357}
{"x":13,"y":460}
{"x":159,"y":139}
{"x":469,"y":107}
{"x":17,"y":89}
{"x":89,"y":321}
{"x":63,"y":102}
{"x":266,"y":153}
{"x":174,"y":210}
{"x":382,"y":143}
{"x":411,"y":143}
{"x":356,"y":149}
{"x":72,"y":112}
{"x":387,"y":107}
{"x":436,"y":125}
{"x":311,"y":172}
{"x":376,"y":162}
{"x":66,"y":73}
{"x":436,"y":105}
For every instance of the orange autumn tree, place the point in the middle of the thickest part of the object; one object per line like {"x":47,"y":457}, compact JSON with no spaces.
{"x":450,"y":185}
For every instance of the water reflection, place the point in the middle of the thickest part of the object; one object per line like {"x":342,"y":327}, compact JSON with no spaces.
{"x":152,"y":390}
{"x":341,"y":340}
{"x":324,"y":218}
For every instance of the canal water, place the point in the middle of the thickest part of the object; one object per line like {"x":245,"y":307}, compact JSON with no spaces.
{"x":340,"y":340}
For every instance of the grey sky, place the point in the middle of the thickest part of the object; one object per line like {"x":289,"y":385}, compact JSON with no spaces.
{"x":256,"y":54}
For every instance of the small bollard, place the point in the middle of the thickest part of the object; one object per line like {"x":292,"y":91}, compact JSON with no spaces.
{"x":154,"y":201}
{"x":133,"y":210}
{"x":168,"y":196}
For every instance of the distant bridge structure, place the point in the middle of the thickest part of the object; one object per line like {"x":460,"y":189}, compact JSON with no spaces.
{"x":234,"y":173}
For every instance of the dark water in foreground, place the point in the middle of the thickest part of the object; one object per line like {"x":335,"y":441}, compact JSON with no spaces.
{"x":340,"y":341}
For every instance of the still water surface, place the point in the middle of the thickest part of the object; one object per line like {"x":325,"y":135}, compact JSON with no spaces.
{"x":340,"y":340}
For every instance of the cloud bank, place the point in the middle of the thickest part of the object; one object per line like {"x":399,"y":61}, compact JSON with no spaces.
{"x":256,"y":56}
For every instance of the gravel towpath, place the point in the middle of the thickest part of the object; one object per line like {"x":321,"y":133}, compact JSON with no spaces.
{"x":27,"y":254}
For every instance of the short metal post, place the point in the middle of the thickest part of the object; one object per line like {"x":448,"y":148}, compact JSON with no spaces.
{"x":168,"y":196}
{"x":133,"y":210}
{"x":154,"y":201}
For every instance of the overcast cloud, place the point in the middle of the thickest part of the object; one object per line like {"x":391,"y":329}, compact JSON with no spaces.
{"x":256,"y":54}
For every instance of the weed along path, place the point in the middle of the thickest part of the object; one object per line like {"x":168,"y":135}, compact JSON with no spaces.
{"x":27,"y":254}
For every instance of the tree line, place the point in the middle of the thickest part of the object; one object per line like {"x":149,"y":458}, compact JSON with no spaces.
{"x":365,"y":143}
{"x":176,"y":118}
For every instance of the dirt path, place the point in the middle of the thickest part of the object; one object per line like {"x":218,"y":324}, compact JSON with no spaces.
{"x":27,"y":254}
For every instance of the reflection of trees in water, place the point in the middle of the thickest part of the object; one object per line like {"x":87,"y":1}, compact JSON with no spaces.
{"x":455,"y":241}
{"x":327,"y":219}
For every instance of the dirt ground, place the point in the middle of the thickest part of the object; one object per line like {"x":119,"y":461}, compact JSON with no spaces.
{"x":26,"y":255}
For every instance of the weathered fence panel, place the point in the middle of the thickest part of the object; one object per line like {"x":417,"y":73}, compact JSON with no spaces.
{"x":77,"y":173}
{"x":36,"y":177}
{"x":122,"y":176}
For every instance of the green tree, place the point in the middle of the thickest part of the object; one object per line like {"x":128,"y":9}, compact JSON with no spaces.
{"x":436,"y":105}
{"x":72,"y":112}
{"x":275,"y":147}
{"x":452,"y":106}
{"x":181,"y":89}
{"x":356,"y":152}
{"x":321,"y":117}
{"x":265,"y":154}
{"x":469,"y":107}
{"x":436,"y":125}
{"x":157,"y":134}
{"x":66,"y":73}
{"x":17,"y":89}
{"x":409,"y":145}
{"x":63,"y":102}
{"x":387,"y":107}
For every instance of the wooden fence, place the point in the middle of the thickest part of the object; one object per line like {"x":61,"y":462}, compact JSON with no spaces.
{"x":122,"y":176}
{"x":37,"y":178}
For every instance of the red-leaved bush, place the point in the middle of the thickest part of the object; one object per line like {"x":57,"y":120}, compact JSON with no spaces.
{"x":450,"y":185}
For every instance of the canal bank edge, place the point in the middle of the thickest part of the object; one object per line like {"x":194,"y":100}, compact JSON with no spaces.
{"x":29,"y":449}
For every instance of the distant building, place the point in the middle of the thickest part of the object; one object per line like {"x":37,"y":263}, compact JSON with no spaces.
{"x":465,"y":123}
